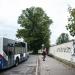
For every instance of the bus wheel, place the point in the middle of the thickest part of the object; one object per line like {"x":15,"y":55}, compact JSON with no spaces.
{"x":17,"y":61}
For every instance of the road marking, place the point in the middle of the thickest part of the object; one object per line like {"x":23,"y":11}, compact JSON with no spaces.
{"x":36,"y":73}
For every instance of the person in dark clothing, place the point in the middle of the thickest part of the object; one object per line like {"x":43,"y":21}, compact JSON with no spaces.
{"x":44,"y":55}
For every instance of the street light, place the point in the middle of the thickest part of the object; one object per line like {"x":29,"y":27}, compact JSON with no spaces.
{"x":74,"y":45}
{"x":42,"y":47}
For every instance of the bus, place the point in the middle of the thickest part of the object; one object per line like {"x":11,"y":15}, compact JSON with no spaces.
{"x":12,"y":52}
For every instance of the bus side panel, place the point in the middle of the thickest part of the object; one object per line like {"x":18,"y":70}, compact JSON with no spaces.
{"x":3,"y":63}
{"x":1,"y":45}
{"x":20,"y":51}
{"x":1,"y":51}
{"x":0,"y":63}
{"x":8,"y":53}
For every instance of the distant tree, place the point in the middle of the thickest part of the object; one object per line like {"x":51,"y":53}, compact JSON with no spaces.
{"x":62,"y":38}
{"x":35,"y":28}
{"x":71,"y":21}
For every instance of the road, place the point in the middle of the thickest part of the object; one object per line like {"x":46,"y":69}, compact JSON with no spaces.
{"x":26,"y":68}
{"x":48,"y":67}
{"x":53,"y":67}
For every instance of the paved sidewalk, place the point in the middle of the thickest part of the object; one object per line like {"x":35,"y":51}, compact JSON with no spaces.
{"x":53,"y":67}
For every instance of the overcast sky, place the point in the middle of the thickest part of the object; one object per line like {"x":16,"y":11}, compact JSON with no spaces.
{"x":57,"y":10}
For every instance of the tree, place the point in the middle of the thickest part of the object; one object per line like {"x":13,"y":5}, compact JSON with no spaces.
{"x":35,"y":28}
{"x":71,"y":21}
{"x":62,"y":38}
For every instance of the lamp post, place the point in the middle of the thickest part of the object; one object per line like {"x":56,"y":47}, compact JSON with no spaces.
{"x":74,"y":45}
{"x":42,"y":47}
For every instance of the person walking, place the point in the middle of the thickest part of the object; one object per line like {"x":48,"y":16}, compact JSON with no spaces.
{"x":44,"y":54}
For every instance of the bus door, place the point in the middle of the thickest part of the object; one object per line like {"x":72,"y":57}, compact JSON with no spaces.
{"x":10,"y":54}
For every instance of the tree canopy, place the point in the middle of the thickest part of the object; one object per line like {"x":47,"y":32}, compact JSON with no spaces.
{"x":63,"y":38}
{"x":71,"y":21}
{"x":34,"y":24}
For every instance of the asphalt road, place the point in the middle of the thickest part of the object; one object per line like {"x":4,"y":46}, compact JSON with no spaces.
{"x":26,"y":68}
{"x":48,"y":67}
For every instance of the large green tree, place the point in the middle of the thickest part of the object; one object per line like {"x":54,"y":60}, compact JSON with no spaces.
{"x":63,"y":38}
{"x":34,"y":30}
{"x":71,"y":21}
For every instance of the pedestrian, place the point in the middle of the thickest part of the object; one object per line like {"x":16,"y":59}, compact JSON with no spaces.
{"x":44,"y":54}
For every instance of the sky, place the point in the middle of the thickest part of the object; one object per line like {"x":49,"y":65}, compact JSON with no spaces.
{"x":57,"y":10}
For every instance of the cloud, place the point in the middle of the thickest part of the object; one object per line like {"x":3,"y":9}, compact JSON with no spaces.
{"x":55,"y":9}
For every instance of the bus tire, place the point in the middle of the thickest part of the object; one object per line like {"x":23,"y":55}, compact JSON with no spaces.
{"x":17,"y":61}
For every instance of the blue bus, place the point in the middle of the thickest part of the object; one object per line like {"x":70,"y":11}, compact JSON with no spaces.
{"x":12,"y":52}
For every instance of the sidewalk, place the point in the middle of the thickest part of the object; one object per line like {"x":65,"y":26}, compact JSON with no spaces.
{"x":53,"y":67}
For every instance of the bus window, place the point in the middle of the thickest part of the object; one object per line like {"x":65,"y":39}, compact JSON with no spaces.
{"x":23,"y":44}
{"x":19,"y":47}
{"x":9,"y":49}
